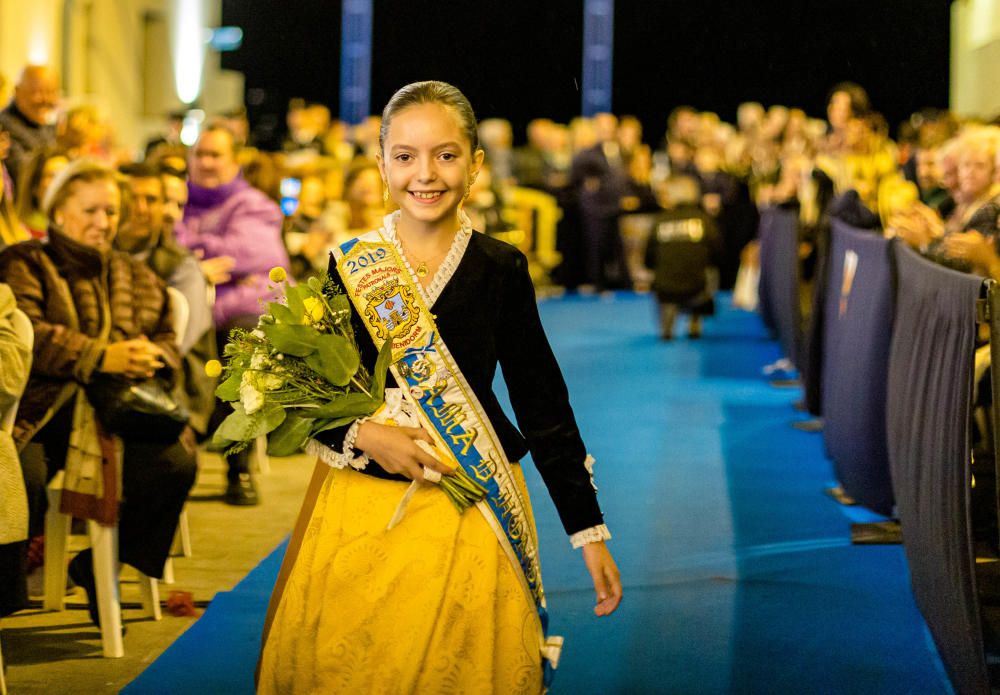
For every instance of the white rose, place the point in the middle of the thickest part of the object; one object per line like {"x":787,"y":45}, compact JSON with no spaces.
{"x":250,"y":397}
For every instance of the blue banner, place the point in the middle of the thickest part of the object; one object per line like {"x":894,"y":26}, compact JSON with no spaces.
{"x":857,"y":329}
{"x":928,"y":410}
{"x":355,"y":60}
{"x":598,"y":54}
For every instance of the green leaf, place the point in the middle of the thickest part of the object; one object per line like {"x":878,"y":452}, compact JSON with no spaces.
{"x":299,"y":341}
{"x":381,"y":367}
{"x":352,"y":405}
{"x":294,"y":297}
{"x":290,"y":436}
{"x":229,"y":390}
{"x":323,"y":426}
{"x":218,"y":443}
{"x":315,"y":284}
{"x":282,"y":313}
{"x":335,"y":359}
{"x":240,"y":427}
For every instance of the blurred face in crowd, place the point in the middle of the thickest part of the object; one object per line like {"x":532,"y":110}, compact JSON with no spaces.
{"x":854,"y":133}
{"x":428,"y":163}
{"x":90,"y":213}
{"x":630,"y":134}
{"x":839,"y":110}
{"x":582,"y":133}
{"x":687,"y":125}
{"x":37,"y":94}
{"x":212,"y":162}
{"x":750,"y":117}
{"x":365,"y":190}
{"x":948,"y":167}
{"x":145,"y":220}
{"x":975,"y":173}
{"x":538,"y":133}
{"x":51,"y":169}
{"x":928,"y":172}
{"x":312,"y":197}
{"x":175,"y":196}
{"x":605,"y":127}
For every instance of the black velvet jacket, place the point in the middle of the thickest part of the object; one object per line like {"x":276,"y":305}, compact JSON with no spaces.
{"x":487,"y":315}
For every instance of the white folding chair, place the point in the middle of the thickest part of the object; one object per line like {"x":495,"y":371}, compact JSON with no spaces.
{"x":182,"y":539}
{"x":22,"y":327}
{"x":181,"y":311}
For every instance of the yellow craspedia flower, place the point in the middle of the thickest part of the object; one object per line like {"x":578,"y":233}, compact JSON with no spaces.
{"x":213,"y":368}
{"x":277,"y":274}
{"x":314,"y":309}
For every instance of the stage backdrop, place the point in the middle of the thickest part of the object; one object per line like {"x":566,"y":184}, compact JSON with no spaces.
{"x":929,"y":405}
{"x":856,"y":333}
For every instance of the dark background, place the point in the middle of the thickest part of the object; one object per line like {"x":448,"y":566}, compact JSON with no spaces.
{"x":521,"y":59}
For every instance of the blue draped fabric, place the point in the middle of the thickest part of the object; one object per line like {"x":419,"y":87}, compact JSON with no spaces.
{"x":856,"y":333}
{"x":929,"y":406}
{"x":779,"y":278}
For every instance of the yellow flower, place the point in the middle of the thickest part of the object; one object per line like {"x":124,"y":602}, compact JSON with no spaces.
{"x":314,"y":309}
{"x":277,"y":274}
{"x":213,"y":368}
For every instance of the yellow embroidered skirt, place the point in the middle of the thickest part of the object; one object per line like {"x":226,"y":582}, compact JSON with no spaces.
{"x":432,"y":606}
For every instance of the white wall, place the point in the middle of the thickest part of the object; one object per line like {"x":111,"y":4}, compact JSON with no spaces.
{"x":119,"y":56}
{"x":975,"y":58}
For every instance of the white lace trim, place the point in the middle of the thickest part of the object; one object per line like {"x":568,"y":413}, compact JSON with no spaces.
{"x":588,"y":463}
{"x":335,"y":459}
{"x":448,"y":266}
{"x":594,"y":534}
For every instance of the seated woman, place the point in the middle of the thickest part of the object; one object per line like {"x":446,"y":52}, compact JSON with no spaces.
{"x":15,"y":359}
{"x":95,"y":311}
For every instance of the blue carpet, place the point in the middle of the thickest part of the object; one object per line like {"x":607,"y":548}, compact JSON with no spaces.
{"x":739,"y":572}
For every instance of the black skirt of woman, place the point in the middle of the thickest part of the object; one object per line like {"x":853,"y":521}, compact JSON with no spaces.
{"x":156,"y":479}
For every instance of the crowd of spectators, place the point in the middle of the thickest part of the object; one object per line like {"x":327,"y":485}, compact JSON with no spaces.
{"x":91,"y":235}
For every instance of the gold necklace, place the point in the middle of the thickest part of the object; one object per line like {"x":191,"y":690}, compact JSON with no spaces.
{"x":422,"y":270}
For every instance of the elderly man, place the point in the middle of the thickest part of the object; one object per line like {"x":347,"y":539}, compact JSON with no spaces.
{"x":235,"y":227}
{"x":28,"y":116}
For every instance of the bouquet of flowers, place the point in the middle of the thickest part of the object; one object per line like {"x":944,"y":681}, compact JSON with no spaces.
{"x":299,"y":373}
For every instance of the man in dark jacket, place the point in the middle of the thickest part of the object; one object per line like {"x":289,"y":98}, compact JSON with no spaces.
{"x":683,"y":253}
{"x":599,"y":179}
{"x":147,"y":237}
{"x":29,"y":114}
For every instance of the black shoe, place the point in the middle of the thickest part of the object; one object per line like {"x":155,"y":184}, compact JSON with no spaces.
{"x":81,"y":571}
{"x":242,"y":492}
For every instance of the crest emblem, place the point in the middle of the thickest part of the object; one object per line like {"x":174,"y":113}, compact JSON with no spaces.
{"x":391,"y":310}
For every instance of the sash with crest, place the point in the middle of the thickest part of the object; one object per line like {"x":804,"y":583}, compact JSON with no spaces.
{"x":392,"y":307}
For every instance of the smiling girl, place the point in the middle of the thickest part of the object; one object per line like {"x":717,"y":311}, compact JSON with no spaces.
{"x":442,"y":601}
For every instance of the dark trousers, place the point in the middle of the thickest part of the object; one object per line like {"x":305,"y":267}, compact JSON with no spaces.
{"x":156,"y":479}
{"x":240,"y":462}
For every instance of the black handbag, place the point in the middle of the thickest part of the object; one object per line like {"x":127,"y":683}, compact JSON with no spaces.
{"x":142,"y":410}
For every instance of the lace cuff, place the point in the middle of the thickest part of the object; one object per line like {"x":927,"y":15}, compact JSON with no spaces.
{"x":347,"y":457}
{"x":590,"y":535}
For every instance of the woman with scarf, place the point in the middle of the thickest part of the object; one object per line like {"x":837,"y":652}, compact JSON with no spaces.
{"x":95,"y":312}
